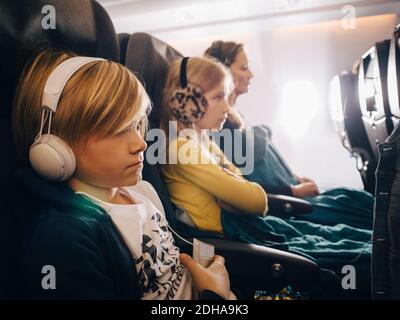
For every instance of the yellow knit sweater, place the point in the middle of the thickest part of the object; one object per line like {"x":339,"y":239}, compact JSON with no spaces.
{"x":198,"y":184}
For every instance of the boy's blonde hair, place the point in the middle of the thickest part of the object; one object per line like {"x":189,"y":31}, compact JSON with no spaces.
{"x":99,"y":100}
{"x":201,"y":72}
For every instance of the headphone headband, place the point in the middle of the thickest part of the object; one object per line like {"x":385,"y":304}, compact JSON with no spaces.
{"x":217,"y":52}
{"x":217,"y":48}
{"x":58,"y":79}
{"x":182,"y":74}
{"x":228,"y":59}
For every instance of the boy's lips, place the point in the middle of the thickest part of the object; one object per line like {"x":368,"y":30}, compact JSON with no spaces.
{"x":136,"y":164}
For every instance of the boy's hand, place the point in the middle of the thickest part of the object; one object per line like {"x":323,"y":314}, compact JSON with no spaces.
{"x":214,"y":278}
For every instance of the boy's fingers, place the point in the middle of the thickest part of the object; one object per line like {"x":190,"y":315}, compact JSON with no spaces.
{"x":219,"y":259}
{"x":193,"y":266}
{"x":188,"y":262}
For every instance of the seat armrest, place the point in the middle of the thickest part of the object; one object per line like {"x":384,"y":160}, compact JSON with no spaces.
{"x":252,"y":267}
{"x":281,"y":204}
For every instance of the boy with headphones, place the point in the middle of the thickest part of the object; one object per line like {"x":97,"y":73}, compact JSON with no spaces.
{"x":98,"y":228}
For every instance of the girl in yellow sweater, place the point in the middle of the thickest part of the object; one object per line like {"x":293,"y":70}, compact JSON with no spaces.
{"x":211,"y":190}
{"x":195,"y":100}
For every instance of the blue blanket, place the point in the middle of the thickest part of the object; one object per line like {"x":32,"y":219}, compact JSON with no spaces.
{"x":337,"y":233}
{"x":341,"y":205}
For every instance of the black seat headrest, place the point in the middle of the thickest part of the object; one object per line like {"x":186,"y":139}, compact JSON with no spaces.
{"x":82,"y":26}
{"x":149,"y":57}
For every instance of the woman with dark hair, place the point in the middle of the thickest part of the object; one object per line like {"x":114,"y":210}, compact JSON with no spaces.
{"x":335,"y":206}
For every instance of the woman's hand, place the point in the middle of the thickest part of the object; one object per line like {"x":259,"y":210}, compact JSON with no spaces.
{"x":305,"y":189}
{"x":303,"y":179}
{"x":215,"y":278}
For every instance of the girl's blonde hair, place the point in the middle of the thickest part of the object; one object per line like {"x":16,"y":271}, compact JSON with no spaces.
{"x":201,"y":72}
{"x":99,"y":100}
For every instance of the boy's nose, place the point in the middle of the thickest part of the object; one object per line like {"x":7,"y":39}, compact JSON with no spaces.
{"x":138,"y":144}
{"x":143,"y":145}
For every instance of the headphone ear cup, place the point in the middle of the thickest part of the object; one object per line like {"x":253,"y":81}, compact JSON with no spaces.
{"x":188,"y":104}
{"x":52,"y":158}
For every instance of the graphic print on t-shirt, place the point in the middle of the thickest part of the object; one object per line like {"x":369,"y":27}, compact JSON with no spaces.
{"x":159,"y":266}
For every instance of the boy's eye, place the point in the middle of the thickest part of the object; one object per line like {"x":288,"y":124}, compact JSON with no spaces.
{"x":122,"y":132}
{"x":137,"y":126}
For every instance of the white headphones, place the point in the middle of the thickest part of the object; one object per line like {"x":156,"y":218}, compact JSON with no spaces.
{"x":50,"y":156}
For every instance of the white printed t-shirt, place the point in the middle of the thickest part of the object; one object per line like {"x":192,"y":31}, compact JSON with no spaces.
{"x":143,"y":226}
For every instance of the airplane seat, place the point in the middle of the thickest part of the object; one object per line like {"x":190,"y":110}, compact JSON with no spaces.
{"x":346,"y":115}
{"x":81,"y":26}
{"x":373,"y":94}
{"x":149,"y":57}
{"x":386,"y":244}
{"x":394,"y":76}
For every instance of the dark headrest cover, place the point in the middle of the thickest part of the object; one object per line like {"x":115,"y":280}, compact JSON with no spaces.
{"x":82,"y":26}
{"x":149,"y":57}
